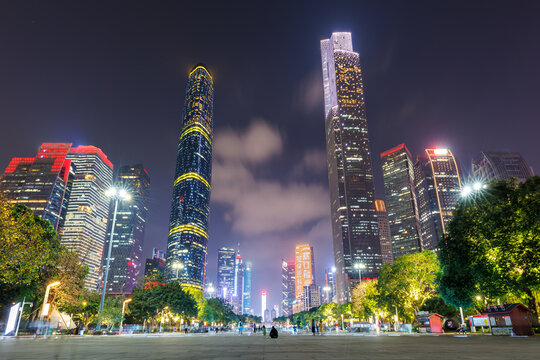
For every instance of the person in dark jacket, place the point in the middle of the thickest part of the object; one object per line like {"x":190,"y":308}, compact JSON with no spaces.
{"x":313,"y":327}
{"x":273,"y":333}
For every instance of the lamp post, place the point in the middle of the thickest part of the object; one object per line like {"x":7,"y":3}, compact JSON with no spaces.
{"x":117,"y":195}
{"x":178,"y":266}
{"x":123,"y":312}
{"x":327,"y":290}
{"x":397,"y":319}
{"x":359,"y":267}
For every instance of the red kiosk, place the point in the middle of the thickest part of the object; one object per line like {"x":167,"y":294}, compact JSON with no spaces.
{"x":510,"y":319}
{"x":430,"y":323}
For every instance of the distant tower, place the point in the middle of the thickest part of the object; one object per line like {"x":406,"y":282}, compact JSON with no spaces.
{"x":438,"y":189}
{"x":401,"y":204}
{"x":225,"y":276}
{"x":126,"y":255}
{"x":330,"y":281}
{"x":247,"y":288}
{"x":190,"y":208}
{"x":288,"y":293}
{"x":263,"y":304}
{"x":352,"y":193}
{"x":501,"y":165}
{"x":43,"y":183}
{"x":384,"y":233}
{"x":87,"y":215}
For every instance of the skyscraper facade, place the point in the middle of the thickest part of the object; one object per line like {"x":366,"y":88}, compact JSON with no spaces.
{"x":225,"y":269}
{"x":501,"y":165}
{"x":288,"y":292}
{"x":330,"y":283}
{"x":87,"y":214}
{"x":188,"y":229}
{"x":246,"y":307}
{"x":43,"y":183}
{"x":305,"y":268}
{"x":354,"y":220}
{"x":264,"y":309}
{"x":384,"y":233}
{"x":126,"y":254}
{"x":401,"y":205}
{"x":438,"y":189}
{"x":238,"y":294}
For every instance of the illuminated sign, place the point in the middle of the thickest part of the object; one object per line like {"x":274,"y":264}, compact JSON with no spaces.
{"x":440,"y":151}
{"x":12,"y":320}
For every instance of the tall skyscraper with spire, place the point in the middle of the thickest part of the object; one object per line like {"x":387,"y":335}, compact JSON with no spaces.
{"x":354,"y":220}
{"x":188,"y":227}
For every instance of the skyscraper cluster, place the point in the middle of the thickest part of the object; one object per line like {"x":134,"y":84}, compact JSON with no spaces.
{"x":67,"y":186}
{"x":234,"y":280}
{"x":420,"y":194}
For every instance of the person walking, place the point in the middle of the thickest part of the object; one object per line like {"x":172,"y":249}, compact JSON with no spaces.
{"x":273,"y":333}
{"x":264,"y":330}
{"x":313,"y":326}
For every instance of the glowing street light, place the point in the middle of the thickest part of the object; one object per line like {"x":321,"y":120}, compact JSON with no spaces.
{"x":177,"y":266}
{"x":210,"y":290}
{"x":117,"y":194}
{"x":327,"y":290}
{"x":359,"y":267}
{"x":471,"y":189}
{"x":123,"y":312}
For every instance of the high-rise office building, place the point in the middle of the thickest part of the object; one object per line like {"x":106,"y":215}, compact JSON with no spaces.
{"x":384,"y":233}
{"x":288,"y":286}
{"x":247,"y":289}
{"x":501,"y":165}
{"x":154,"y":266}
{"x":401,"y":205}
{"x":263,"y":305}
{"x":311,"y":297}
{"x":330,"y":282}
{"x":87,"y":214}
{"x":305,"y":269}
{"x":438,"y":189}
{"x":188,"y":229}
{"x":226,"y":270}
{"x":354,"y":221}
{"x":43,"y":183}
{"x":126,"y":254}
{"x":238,"y":294}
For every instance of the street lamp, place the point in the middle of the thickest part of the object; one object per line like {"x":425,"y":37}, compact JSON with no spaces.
{"x":177,"y":266}
{"x":117,"y":195}
{"x":210,"y":290}
{"x":359,"y":267}
{"x":123,"y":311}
{"x":327,"y":290}
{"x":471,"y":189}
{"x":397,"y":319}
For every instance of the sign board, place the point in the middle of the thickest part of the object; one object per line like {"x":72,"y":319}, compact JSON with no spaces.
{"x":507,"y":321}
{"x":12,"y":319}
{"x":480,"y":321}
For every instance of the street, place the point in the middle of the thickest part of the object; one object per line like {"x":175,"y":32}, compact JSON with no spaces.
{"x":229,"y":346}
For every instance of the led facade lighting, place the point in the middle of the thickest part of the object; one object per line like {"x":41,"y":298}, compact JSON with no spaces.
{"x":188,"y":227}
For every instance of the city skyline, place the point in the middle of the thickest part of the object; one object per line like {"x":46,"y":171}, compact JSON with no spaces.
{"x":415,"y":94}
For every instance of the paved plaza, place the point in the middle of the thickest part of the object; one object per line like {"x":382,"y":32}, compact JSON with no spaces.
{"x":229,"y":346}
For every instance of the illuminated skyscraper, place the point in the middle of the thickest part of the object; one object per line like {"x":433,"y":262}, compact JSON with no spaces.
{"x":438,"y":189}
{"x":288,"y":294}
{"x":305,"y":269}
{"x":87,"y":215}
{"x":188,"y":229}
{"x":43,"y":183}
{"x":126,"y":254}
{"x":247,"y":289}
{"x":263,"y":306}
{"x":238,"y":294}
{"x":501,"y":165}
{"x":226,"y":269}
{"x":354,"y":221}
{"x":331,"y":283}
{"x":401,"y":205}
{"x":384,"y":233}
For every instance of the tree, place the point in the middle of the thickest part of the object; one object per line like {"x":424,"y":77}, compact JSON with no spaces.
{"x":112,"y":311}
{"x":408,"y":282}
{"x":492,"y":247}
{"x":365,"y":299}
{"x":223,"y":311}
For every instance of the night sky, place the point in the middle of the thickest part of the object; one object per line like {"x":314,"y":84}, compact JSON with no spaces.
{"x":464,"y":75}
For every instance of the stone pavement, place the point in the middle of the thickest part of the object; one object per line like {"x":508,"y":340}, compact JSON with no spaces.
{"x":229,"y":346}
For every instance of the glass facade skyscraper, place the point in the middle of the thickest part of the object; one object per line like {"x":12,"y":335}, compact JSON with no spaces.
{"x":355,"y":229}
{"x":225,"y":276}
{"x":43,"y":183}
{"x":87,"y":215}
{"x":384,"y":233}
{"x":288,"y":286}
{"x":247,"y":289}
{"x":126,"y":254}
{"x":438,"y":189}
{"x":501,"y":165}
{"x":188,"y":226}
{"x":401,"y":205}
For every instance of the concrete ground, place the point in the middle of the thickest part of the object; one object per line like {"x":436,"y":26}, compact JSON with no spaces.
{"x":229,"y":346}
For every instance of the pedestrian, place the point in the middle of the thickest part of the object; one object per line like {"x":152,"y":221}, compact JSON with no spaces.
{"x":264,"y":330}
{"x":321,"y":327}
{"x":313,"y":326}
{"x":273,"y":333}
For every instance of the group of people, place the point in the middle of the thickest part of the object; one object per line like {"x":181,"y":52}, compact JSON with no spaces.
{"x":273,"y":332}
